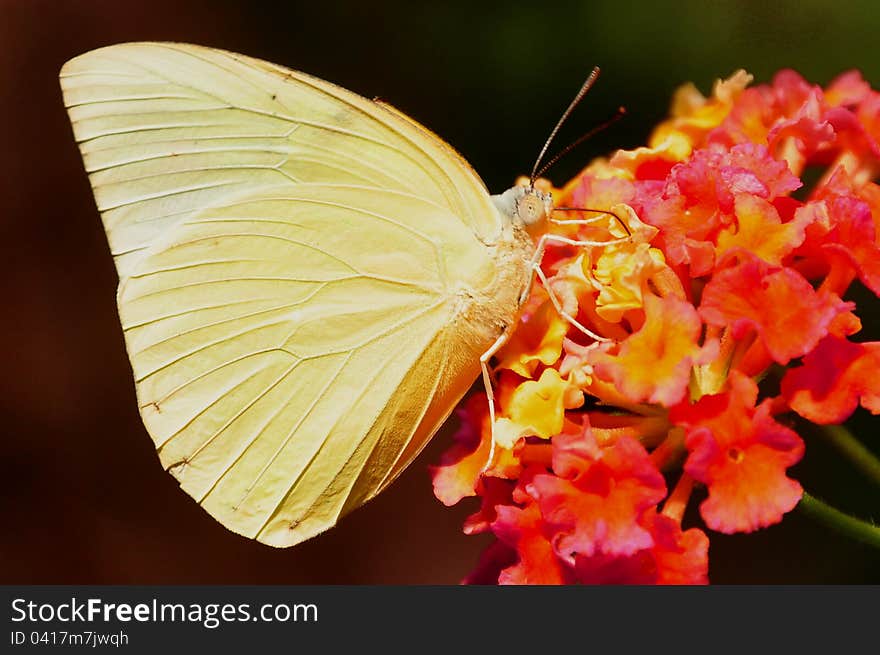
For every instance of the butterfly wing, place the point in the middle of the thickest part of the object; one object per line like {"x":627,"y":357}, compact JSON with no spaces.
{"x":273,"y":341}
{"x":291,"y":258}
{"x":166,"y":129}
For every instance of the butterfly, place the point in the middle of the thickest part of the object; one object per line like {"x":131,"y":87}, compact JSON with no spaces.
{"x":309,"y":281}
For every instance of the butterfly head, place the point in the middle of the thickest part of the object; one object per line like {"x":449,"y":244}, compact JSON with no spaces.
{"x":533,"y":207}
{"x":527,"y":207}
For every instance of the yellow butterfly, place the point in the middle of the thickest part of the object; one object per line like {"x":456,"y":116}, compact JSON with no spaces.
{"x":309,"y":281}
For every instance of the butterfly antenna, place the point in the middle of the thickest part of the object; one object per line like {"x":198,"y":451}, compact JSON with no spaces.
{"x":620,"y":113}
{"x":591,"y":79}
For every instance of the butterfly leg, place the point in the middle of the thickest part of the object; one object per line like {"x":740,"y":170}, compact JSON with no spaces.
{"x":542,"y":278}
{"x":558,"y":305}
{"x":577,"y":221}
{"x":490,"y":394}
{"x":589,"y":221}
{"x":535,"y":266}
{"x":556,"y":238}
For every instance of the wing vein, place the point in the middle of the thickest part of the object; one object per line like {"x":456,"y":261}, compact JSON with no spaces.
{"x":193,"y":310}
{"x":183,"y":356}
{"x":364,"y":212}
{"x":366,"y":458}
{"x":207,"y":137}
{"x":237,"y":318}
{"x":161,"y":96}
{"x":286,"y":440}
{"x":223,"y":395}
{"x":163,"y":194}
{"x":305,"y":80}
{"x":331,"y":128}
{"x":201,"y":169}
{"x":251,"y":440}
{"x":244,"y":409}
{"x":323,"y":443}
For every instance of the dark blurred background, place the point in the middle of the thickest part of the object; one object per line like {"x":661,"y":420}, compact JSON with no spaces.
{"x":82,"y":497}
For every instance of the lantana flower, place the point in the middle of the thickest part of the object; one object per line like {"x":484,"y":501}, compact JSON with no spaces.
{"x":733,"y":273}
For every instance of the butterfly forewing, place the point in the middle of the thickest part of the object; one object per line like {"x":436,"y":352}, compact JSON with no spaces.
{"x":167,"y":129}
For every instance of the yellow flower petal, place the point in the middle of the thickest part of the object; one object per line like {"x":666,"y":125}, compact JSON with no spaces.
{"x":693,"y":116}
{"x":623,"y":272}
{"x":536,"y":408}
{"x":759,"y":229}
{"x":536,"y":340}
{"x":673,"y":147}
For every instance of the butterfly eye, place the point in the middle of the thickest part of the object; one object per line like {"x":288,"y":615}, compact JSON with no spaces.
{"x":530,"y":209}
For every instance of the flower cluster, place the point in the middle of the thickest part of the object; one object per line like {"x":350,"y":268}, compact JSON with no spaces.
{"x":722,"y":319}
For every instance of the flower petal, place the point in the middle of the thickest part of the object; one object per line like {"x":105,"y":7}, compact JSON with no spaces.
{"x":654,"y":363}
{"x":741,"y":454}
{"x":759,"y":230}
{"x":675,"y":558}
{"x":496,"y":557}
{"x":681,"y":557}
{"x":461,"y":466}
{"x":593,"y":500}
{"x":693,"y":115}
{"x":493,"y":492}
{"x":778,"y":303}
{"x":622,"y":273}
{"x":835,"y":378}
{"x":523,"y":530}
{"x":536,"y":408}
{"x":537,"y":340}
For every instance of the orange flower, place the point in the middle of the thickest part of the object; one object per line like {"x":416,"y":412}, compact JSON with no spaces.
{"x":836,"y":377}
{"x":760,"y":231}
{"x":593,"y":499}
{"x":536,"y":408}
{"x":523,"y":531}
{"x":537,"y":341}
{"x":741,"y":454}
{"x":654,"y":363}
{"x":789,"y":316}
{"x":462,"y":465}
{"x":675,"y":557}
{"x":693,"y":115}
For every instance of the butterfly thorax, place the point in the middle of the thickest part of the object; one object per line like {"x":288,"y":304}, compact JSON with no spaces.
{"x":495,"y":307}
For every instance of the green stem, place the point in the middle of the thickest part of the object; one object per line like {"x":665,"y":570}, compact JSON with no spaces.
{"x":862,"y":458}
{"x":844,"y":523}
